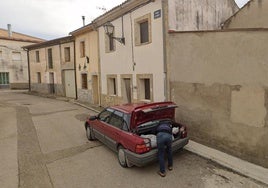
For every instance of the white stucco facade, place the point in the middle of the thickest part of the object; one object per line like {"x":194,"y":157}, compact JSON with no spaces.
{"x":132,"y":60}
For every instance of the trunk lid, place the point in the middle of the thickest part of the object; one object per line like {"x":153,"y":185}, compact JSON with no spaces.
{"x":152,"y":112}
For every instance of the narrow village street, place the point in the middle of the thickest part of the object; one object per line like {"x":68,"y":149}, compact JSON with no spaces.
{"x":43,"y":144}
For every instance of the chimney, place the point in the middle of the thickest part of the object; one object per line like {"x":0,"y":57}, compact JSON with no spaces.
{"x":9,"y":30}
{"x":83,"y":18}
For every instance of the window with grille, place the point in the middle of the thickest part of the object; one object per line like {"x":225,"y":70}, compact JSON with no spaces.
{"x":84,"y":81}
{"x":4,"y":78}
{"x":50,"y":59}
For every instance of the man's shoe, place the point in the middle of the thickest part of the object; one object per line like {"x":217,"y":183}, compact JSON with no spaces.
{"x":170,"y":168}
{"x":162,"y":174}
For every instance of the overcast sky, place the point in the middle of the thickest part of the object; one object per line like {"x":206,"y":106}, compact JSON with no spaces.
{"x":50,"y":19}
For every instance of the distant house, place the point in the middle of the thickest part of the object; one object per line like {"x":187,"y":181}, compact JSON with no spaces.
{"x":13,"y":58}
{"x":52,"y":67}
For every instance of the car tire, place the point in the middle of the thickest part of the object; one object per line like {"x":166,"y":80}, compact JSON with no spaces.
{"x":122,"y":158}
{"x":89,"y":133}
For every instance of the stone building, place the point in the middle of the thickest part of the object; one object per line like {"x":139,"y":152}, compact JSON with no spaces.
{"x":52,"y":67}
{"x":13,"y":58}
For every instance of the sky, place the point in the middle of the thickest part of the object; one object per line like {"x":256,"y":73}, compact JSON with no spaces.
{"x":50,"y":19}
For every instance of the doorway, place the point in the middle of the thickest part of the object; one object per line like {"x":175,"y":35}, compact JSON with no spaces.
{"x":95,"y":89}
{"x":69,"y":83}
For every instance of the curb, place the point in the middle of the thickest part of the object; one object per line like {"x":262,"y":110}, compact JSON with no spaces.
{"x":237,"y":165}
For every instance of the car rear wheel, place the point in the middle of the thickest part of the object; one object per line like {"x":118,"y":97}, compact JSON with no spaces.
{"x":89,"y":133}
{"x":122,"y":158}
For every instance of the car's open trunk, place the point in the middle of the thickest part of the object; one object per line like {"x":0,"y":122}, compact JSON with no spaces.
{"x":148,"y":130}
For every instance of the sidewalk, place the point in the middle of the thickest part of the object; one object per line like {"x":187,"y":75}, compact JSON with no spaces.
{"x":243,"y":167}
{"x":237,"y":165}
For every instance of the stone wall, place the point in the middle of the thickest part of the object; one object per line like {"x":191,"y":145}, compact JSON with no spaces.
{"x":19,"y":85}
{"x":219,"y":81}
{"x":46,"y":89}
{"x":84,"y":95}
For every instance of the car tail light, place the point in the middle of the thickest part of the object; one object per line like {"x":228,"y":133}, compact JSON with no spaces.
{"x":145,"y":146}
{"x":183,"y":132}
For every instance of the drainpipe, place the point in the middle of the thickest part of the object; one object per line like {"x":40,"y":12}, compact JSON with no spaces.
{"x":75,"y":79}
{"x":29,"y":69}
{"x":99,"y":66}
{"x":165,"y":69}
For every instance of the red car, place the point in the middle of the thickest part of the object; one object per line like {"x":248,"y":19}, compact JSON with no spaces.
{"x":129,"y":130}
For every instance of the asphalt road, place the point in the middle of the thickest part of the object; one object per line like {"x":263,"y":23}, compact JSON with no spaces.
{"x":43,"y":144}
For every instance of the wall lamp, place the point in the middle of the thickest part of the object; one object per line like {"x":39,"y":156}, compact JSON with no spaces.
{"x":109,"y":30}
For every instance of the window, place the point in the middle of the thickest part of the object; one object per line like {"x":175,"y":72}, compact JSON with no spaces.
{"x":82,"y":49}
{"x":109,"y":44}
{"x":50,"y":59}
{"x":37,"y":57}
{"x":117,"y":120}
{"x":145,"y":87}
{"x":67,"y":54}
{"x":16,"y":56}
{"x":84,"y":81}
{"x":38,"y":77}
{"x":111,"y":83}
{"x":143,"y":33}
{"x":1,"y":55}
{"x":4,"y":78}
{"x":105,"y":115}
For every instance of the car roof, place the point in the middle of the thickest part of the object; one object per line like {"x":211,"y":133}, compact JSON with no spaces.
{"x":130,"y":107}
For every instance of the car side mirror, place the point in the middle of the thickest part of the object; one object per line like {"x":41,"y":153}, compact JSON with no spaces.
{"x":93,"y":118}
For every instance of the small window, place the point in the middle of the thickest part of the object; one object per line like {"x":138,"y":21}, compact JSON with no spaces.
{"x":38,"y":77}
{"x":82,"y":49}
{"x":145,"y":87}
{"x":147,"y":93}
{"x":4,"y":78}
{"x":143,"y":32}
{"x":16,"y":56}
{"x":117,"y":120}
{"x":50,"y":59}
{"x":1,"y":54}
{"x":84,"y":81}
{"x":112,"y":86}
{"x":109,"y":44}
{"x":67,"y":54}
{"x":37,"y":57}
